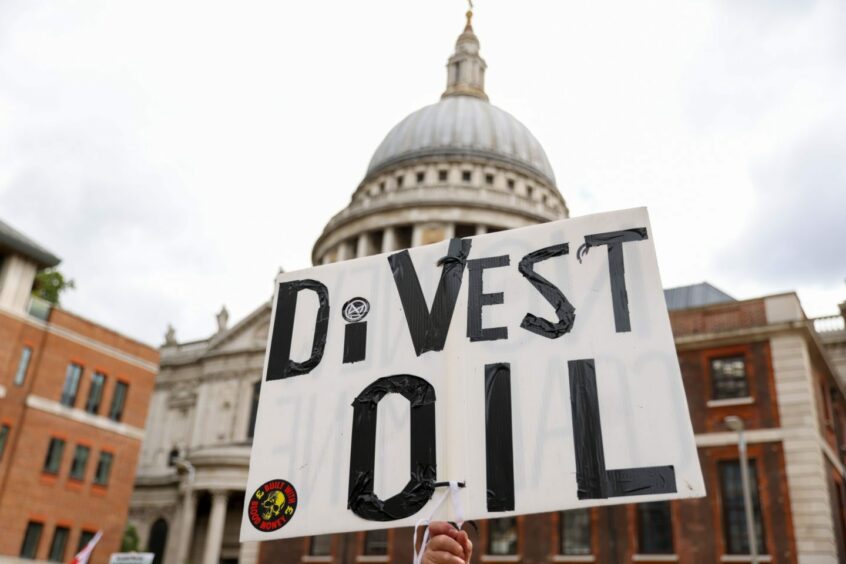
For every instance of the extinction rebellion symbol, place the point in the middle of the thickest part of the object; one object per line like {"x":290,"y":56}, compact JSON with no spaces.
{"x":355,"y":310}
{"x":273,"y":505}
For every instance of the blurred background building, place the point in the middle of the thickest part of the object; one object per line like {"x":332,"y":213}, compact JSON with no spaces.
{"x":73,"y":404}
{"x":463,"y":167}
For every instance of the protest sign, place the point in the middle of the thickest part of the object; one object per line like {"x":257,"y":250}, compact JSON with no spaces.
{"x":132,"y":558}
{"x":535,"y":366}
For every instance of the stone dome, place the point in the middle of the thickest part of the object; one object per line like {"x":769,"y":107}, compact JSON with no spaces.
{"x":462,"y":125}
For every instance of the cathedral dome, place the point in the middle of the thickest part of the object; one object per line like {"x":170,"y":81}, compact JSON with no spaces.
{"x":462,"y":125}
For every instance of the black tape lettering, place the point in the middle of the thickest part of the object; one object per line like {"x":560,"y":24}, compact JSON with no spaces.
{"x":355,"y":342}
{"x":563,"y":308}
{"x":499,"y":451}
{"x":429,"y":328}
{"x":594,"y":481}
{"x":362,"y":500}
{"x":279,"y":363}
{"x":616,"y":269}
{"x":477,"y":299}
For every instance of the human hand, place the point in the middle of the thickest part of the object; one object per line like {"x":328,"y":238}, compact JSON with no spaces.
{"x":447,"y":545}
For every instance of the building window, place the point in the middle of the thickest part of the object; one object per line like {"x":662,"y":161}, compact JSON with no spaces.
{"x":321,"y":545}
{"x":489,"y":179}
{"x":376,"y":543}
{"x":118,"y":401}
{"x":104,"y":468}
{"x":80,"y":462}
{"x":502,"y":536}
{"x":654,"y":528}
{"x":4,"y":438}
{"x":575,"y":532}
{"x":59,"y":544}
{"x":728,"y":378}
{"x":421,"y":176}
{"x":530,"y":191}
{"x":23,"y":366}
{"x":95,"y":392}
{"x":31,"y":540}
{"x":466,"y":175}
{"x":84,"y":538}
{"x":158,"y":540}
{"x":71,"y":387}
{"x":399,"y":181}
{"x":53,"y":460}
{"x":404,"y":234}
{"x":254,"y":410}
{"x":443,"y":174}
{"x":734,"y":517}
{"x":510,"y":184}
{"x":463,"y":230}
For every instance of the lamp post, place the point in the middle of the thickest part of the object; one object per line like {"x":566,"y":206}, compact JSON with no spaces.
{"x":735,"y":423}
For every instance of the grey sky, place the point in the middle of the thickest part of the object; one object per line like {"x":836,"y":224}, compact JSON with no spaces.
{"x":176,"y":154}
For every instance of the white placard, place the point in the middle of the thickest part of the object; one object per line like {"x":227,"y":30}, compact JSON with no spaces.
{"x":536,"y":366}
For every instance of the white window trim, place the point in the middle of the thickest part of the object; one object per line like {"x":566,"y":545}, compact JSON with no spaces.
{"x":372,"y":558}
{"x":310,"y":558}
{"x":655,"y":558}
{"x":572,"y":558}
{"x":82,"y":416}
{"x":745,"y":558}
{"x":501,"y":558}
{"x":731,"y":401}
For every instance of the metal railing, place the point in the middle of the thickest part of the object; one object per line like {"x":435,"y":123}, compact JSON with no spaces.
{"x":829,"y":324}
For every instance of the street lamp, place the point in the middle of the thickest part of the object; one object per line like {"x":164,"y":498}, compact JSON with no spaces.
{"x":735,"y":423}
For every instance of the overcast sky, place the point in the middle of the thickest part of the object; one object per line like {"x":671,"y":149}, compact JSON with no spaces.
{"x":176,"y":154}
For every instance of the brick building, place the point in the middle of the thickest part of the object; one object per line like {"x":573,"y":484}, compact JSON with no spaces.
{"x":759,"y":359}
{"x":73,"y":404}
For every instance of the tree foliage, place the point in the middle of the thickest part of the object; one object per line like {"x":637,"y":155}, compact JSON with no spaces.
{"x":129,"y":543}
{"x":49,"y":285}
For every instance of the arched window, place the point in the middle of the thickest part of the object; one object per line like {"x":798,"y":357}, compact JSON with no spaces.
{"x":158,"y":540}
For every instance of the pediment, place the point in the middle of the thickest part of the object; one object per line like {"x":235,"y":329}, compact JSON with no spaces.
{"x":247,"y":334}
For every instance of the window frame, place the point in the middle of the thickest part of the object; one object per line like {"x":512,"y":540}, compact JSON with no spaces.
{"x":32,"y":527}
{"x":67,"y":398}
{"x":85,"y":536}
{"x":728,"y":355}
{"x":517,"y":541}
{"x":24,"y":360}
{"x":640,"y":530}
{"x":79,"y":448}
{"x":51,"y":556}
{"x":100,"y":388}
{"x":60,"y":444}
{"x":364,"y":546}
{"x":5,"y":433}
{"x":111,"y":458}
{"x":561,"y":538}
{"x":119,"y":385}
{"x":757,"y":506}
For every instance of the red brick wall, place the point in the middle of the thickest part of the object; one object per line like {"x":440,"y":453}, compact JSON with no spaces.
{"x":717,"y":318}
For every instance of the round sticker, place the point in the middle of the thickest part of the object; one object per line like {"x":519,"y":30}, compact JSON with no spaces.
{"x":272,"y":505}
{"x":355,"y":309}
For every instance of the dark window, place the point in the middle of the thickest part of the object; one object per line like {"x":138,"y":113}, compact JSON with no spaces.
{"x":421,"y":176}
{"x":502,"y":536}
{"x":654,"y":528}
{"x":404,"y":234}
{"x":466,"y":175}
{"x":59,"y":544}
{"x":32,"y":537}
{"x":465,"y":230}
{"x":104,"y":468}
{"x":173,"y":456}
{"x":4,"y":438}
{"x":254,"y":410}
{"x":118,"y":401}
{"x":376,"y":238}
{"x":158,"y":540}
{"x":728,"y":378}
{"x":84,"y":538}
{"x":23,"y":366}
{"x":95,"y":392}
{"x":376,"y":542}
{"x":530,"y":191}
{"x":53,"y":460}
{"x":71,"y":387}
{"x":734,"y":517}
{"x":510,"y":183}
{"x":489,"y":179}
{"x":80,"y":462}
{"x":381,"y":187}
{"x":575,"y":532}
{"x":399,"y":181}
{"x":492,"y":229}
{"x":443,"y":174}
{"x":321,"y":545}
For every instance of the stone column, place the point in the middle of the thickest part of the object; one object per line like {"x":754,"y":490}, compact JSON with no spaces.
{"x":363,"y":245}
{"x":186,"y":525}
{"x":449,"y":231}
{"x":481,"y":229}
{"x":343,"y":251}
{"x":214,"y":534}
{"x":417,"y":235}
{"x":389,"y":240}
{"x":248,"y":553}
